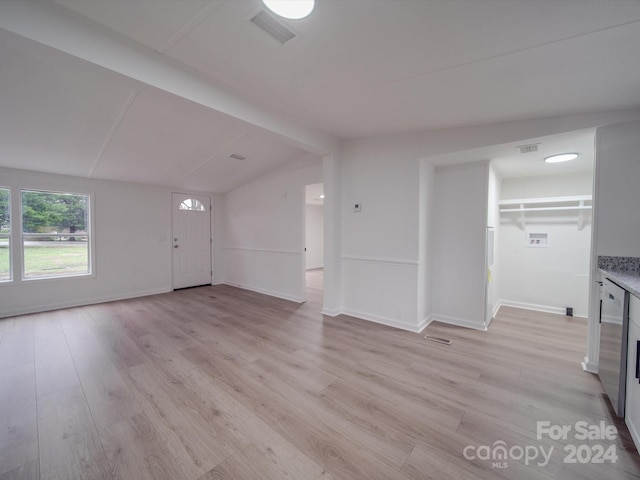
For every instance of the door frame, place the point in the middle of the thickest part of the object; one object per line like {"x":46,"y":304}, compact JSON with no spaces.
{"x":199,"y":194}
{"x":303,"y":278}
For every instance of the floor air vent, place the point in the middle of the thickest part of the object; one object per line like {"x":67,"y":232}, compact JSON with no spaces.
{"x":273,"y":27}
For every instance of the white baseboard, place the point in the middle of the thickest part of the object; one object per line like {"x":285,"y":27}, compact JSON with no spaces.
{"x":589,"y":366}
{"x":460,"y":322}
{"x":331,"y":312}
{"x":390,"y":322}
{"x":284,"y":296}
{"x":635,"y":434}
{"x":537,"y":308}
{"x":80,"y":303}
{"x":425,"y":323}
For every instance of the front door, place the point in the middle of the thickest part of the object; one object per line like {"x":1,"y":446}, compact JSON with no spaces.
{"x":191,"y":240}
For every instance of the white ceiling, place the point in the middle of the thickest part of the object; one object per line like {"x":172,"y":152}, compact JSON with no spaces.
{"x":63,"y":115}
{"x":362,"y":68}
{"x":510,"y":163}
{"x":356,"y":68}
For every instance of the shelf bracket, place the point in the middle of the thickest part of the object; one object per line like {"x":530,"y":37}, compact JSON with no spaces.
{"x":581,"y":216}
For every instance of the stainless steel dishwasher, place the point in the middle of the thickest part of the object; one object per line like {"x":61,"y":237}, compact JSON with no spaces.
{"x":614,"y":326}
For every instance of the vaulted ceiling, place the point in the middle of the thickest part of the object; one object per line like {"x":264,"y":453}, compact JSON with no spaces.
{"x":163,"y":91}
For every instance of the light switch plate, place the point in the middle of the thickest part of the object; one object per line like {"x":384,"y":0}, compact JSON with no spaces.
{"x":357,"y":207}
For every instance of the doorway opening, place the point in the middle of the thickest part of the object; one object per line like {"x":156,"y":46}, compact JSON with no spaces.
{"x":543,"y":222}
{"x":314,"y":243}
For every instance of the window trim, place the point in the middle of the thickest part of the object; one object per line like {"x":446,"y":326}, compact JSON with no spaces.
{"x":9,"y":236}
{"x":18,"y":232}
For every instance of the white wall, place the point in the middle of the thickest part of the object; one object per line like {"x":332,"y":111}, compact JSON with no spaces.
{"x":132,"y":225}
{"x":425,"y":243}
{"x":616,"y":225}
{"x":380,"y":243}
{"x":618,"y":195}
{"x":460,"y":225}
{"x":384,"y":248}
{"x":217,"y":225}
{"x":382,"y":256}
{"x":332,"y":288}
{"x":553,"y":278}
{"x":263,"y":231}
{"x":547,"y":186}
{"x":493,"y":220}
{"x":314,"y":235}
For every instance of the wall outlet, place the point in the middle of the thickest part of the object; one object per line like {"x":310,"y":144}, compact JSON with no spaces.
{"x":569,"y":312}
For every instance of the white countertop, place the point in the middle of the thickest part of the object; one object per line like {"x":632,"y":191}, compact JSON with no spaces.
{"x":629,"y":280}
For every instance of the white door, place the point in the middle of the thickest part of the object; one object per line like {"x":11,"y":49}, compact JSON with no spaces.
{"x":191,"y":240}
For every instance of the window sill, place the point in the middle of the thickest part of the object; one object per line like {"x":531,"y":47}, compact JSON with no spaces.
{"x":65,"y":278}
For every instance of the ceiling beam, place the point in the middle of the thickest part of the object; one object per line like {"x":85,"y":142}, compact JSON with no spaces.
{"x":53,"y":25}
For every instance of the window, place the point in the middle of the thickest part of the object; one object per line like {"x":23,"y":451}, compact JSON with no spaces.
{"x":55,"y":234}
{"x":5,"y":235}
{"x":192,"y":204}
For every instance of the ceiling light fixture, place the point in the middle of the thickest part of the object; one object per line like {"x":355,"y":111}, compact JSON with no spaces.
{"x":291,"y":9}
{"x":561,"y":157}
{"x":322,"y":196}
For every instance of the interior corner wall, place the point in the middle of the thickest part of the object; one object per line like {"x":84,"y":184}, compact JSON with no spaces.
{"x":556,"y":277}
{"x":460,"y":218}
{"x":263,"y":231}
{"x":616,"y":215}
{"x":425,"y":250}
{"x":493,"y":220}
{"x":314,"y":236}
{"x":217,"y":202}
{"x":380,"y":240}
{"x":332,"y":288}
{"x":132,"y":229}
{"x":617,"y":193}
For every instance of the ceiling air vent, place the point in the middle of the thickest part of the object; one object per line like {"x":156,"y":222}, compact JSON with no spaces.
{"x":273,"y":27}
{"x":528,"y":148}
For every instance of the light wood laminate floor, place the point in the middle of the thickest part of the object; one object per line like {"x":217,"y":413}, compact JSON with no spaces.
{"x":220,"y":383}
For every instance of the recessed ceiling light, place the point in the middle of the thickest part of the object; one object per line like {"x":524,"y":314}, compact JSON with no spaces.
{"x":291,"y":9}
{"x":561,"y":157}
{"x":322,"y":196}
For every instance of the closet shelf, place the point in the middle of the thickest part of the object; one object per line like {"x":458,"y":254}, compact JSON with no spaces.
{"x":577,"y":203}
{"x":544,"y":209}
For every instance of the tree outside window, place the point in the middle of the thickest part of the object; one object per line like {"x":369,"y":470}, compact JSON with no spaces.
{"x":55,"y":234}
{"x":5,"y":235}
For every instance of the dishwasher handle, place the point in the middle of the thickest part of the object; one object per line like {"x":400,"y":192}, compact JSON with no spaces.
{"x":600,"y":317}
{"x":638,"y":360}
